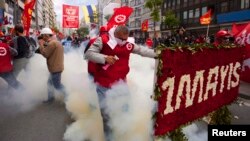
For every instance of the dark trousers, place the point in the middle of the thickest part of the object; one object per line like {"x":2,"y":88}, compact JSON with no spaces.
{"x":10,"y":78}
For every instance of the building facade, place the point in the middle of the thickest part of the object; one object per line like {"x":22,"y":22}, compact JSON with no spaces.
{"x":39,"y":14}
{"x":42,"y":16}
{"x":224,"y":13}
{"x":49,"y":16}
{"x":140,"y":14}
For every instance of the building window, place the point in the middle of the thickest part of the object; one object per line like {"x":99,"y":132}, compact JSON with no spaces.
{"x":185,"y":15}
{"x":191,"y":14}
{"x":178,"y":15}
{"x":190,"y":2}
{"x":185,"y":3}
{"x":244,"y":4}
{"x":178,"y":2}
{"x":132,"y":24}
{"x":173,"y":4}
{"x":224,"y":7}
{"x":197,"y":13}
{"x":203,"y":10}
{"x":169,"y":4}
{"x":196,"y":1}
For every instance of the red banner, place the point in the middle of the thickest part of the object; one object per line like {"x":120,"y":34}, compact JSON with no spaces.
{"x":193,"y":85}
{"x":70,"y":16}
{"x":27,"y":15}
{"x":206,"y":18}
{"x":120,"y":16}
{"x":144,"y":25}
{"x":242,"y":36}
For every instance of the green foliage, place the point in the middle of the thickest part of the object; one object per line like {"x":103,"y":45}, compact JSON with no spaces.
{"x":170,"y":19}
{"x":195,"y":47}
{"x":221,"y":116}
{"x":155,"y":7}
{"x":177,"y":135}
{"x":82,"y":31}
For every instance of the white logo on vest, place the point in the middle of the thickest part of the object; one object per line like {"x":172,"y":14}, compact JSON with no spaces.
{"x":3,"y":51}
{"x":120,"y":18}
{"x":129,"y":46}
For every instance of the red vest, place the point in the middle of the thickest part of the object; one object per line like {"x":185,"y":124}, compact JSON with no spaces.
{"x":117,"y":71}
{"x":91,"y":65}
{"x":5,"y":58}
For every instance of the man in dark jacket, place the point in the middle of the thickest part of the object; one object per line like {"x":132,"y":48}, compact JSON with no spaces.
{"x":20,"y":43}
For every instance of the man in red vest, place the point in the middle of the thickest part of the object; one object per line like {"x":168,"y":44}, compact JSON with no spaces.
{"x":111,"y":53}
{"x":6,"y":69}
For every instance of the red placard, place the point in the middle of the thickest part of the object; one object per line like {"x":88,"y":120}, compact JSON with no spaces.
{"x":193,"y":85}
{"x":70,"y":16}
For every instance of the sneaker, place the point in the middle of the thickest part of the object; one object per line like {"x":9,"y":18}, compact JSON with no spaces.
{"x":49,"y":101}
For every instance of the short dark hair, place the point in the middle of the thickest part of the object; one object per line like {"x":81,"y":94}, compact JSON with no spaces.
{"x":122,"y":28}
{"x":19,"y":28}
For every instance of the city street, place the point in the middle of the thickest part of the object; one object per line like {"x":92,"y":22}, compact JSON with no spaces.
{"x":44,"y":122}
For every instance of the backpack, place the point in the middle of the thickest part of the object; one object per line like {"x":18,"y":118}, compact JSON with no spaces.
{"x":24,"y":50}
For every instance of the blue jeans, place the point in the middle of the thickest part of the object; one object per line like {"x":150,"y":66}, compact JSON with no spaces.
{"x":101,"y":92}
{"x":10,"y":78}
{"x":54,"y":82}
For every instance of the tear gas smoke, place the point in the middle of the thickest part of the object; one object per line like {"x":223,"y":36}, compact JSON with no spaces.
{"x":130,"y":105}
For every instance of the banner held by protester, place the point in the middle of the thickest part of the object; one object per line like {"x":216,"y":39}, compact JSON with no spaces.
{"x":188,"y":88}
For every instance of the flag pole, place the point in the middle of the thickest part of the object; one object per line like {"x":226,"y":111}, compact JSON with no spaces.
{"x":207,"y":32}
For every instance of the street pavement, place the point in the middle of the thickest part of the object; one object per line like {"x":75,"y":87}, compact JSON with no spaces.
{"x":43,"y":123}
{"x":48,"y":122}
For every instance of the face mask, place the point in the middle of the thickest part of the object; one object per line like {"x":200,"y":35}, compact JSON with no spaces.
{"x":120,"y":42}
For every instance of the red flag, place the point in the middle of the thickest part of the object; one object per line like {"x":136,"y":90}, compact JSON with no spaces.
{"x":144,"y":25}
{"x":27,"y":14}
{"x":206,"y":18}
{"x":120,"y":16}
{"x":242,"y":36}
{"x":237,"y":28}
{"x":70,"y":16}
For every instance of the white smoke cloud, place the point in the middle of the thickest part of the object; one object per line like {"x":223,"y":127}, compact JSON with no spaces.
{"x":34,"y":81}
{"x":130,"y":123}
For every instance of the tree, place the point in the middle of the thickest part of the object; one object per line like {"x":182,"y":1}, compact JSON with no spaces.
{"x":82,"y":31}
{"x":154,"y":6}
{"x":55,"y":29}
{"x":170,"y":20}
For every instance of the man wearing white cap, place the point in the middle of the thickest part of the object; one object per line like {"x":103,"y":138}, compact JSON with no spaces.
{"x":53,"y":51}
